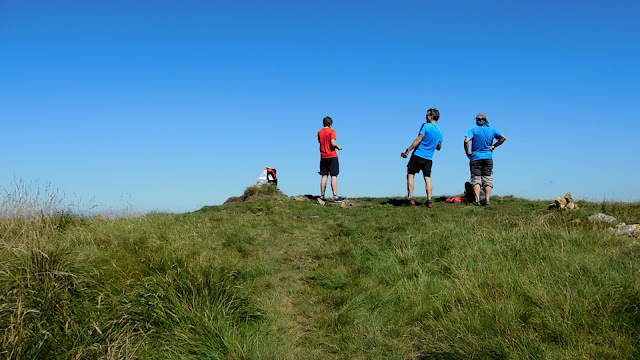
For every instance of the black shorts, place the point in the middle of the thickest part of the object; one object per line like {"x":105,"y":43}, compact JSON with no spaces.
{"x":416,"y":164}
{"x":329,"y":166}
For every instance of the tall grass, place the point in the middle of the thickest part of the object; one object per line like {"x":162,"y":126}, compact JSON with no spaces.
{"x":33,"y":267}
{"x":266,"y":277}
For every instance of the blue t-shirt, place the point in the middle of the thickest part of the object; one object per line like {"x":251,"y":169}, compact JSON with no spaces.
{"x":481,"y":141}
{"x":432,"y":136}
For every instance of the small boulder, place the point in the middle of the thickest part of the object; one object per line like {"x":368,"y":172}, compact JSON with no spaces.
{"x":346,"y":204}
{"x":602,"y":217}
{"x":632,"y":231}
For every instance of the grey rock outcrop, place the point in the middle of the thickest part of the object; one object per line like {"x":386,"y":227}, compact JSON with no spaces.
{"x":626,"y":230}
{"x":602,"y":217}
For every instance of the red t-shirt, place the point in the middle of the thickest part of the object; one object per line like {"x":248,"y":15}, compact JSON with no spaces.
{"x":324,"y":137}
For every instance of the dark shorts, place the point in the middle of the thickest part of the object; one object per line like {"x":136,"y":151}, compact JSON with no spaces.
{"x":416,"y":164}
{"x":482,"y":172}
{"x":329,"y":166}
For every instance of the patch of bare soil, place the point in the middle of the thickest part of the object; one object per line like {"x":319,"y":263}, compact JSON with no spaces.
{"x":348,"y":203}
{"x":242,"y":199}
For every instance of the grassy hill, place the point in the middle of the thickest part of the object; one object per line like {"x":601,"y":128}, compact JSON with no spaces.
{"x":268,"y":277}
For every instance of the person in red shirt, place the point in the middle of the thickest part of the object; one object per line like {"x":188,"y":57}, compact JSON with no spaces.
{"x":329,"y":165}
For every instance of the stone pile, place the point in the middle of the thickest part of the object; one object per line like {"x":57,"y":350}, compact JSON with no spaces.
{"x":565,"y":202}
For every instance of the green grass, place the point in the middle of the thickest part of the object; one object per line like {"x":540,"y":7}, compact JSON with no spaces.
{"x":267,"y":277}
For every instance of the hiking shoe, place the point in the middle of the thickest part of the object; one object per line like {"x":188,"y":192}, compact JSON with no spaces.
{"x":429,"y":204}
{"x":410,"y":202}
{"x":475,"y":203}
{"x":486,"y":202}
{"x":339,"y":199}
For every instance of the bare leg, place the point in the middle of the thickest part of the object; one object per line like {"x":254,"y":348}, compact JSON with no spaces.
{"x":429,"y":186}
{"x":476,"y":191}
{"x":410,"y":185}
{"x":323,"y":185}
{"x":487,"y":192}
{"x":334,"y":185}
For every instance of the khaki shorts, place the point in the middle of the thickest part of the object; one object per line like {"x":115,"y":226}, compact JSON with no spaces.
{"x":482,"y":172}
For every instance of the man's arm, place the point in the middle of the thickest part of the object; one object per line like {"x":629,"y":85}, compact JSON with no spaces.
{"x":467,"y":140}
{"x":498,"y":143}
{"x":334,"y":143}
{"x":414,"y":145}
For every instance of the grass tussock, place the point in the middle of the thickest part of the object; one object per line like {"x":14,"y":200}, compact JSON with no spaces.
{"x":262,"y":189}
{"x":256,"y":192}
{"x":274,"y":278}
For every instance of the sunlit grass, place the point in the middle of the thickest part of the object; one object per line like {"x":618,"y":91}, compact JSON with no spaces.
{"x":267,"y":277}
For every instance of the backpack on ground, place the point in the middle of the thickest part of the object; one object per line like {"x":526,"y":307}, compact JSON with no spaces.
{"x":470,"y":195}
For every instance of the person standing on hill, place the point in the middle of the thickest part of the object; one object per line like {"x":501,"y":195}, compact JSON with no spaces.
{"x":480,"y":156}
{"x":428,"y":141}
{"x":329,"y":165}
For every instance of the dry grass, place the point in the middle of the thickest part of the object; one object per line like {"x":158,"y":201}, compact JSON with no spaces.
{"x":273,"y":278}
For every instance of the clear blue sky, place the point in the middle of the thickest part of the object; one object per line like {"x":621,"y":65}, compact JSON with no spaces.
{"x":174,"y":105}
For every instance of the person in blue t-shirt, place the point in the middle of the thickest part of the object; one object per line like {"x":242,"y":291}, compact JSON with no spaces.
{"x":480,"y":156}
{"x":428,"y":141}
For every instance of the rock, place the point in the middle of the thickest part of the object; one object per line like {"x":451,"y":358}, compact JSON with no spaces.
{"x":602,"y":217}
{"x":565,"y":202}
{"x":627,"y":230}
{"x":569,"y":197}
{"x":299,"y":198}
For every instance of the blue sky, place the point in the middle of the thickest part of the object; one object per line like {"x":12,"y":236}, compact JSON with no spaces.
{"x":174,"y":105}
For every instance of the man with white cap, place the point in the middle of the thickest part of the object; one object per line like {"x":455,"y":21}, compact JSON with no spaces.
{"x":480,"y":156}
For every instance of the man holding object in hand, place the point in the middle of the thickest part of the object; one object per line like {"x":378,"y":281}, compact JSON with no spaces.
{"x":429,"y":139}
{"x":329,"y":165}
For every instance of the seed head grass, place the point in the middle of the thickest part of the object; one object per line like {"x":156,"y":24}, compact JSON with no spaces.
{"x":268,"y":277}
